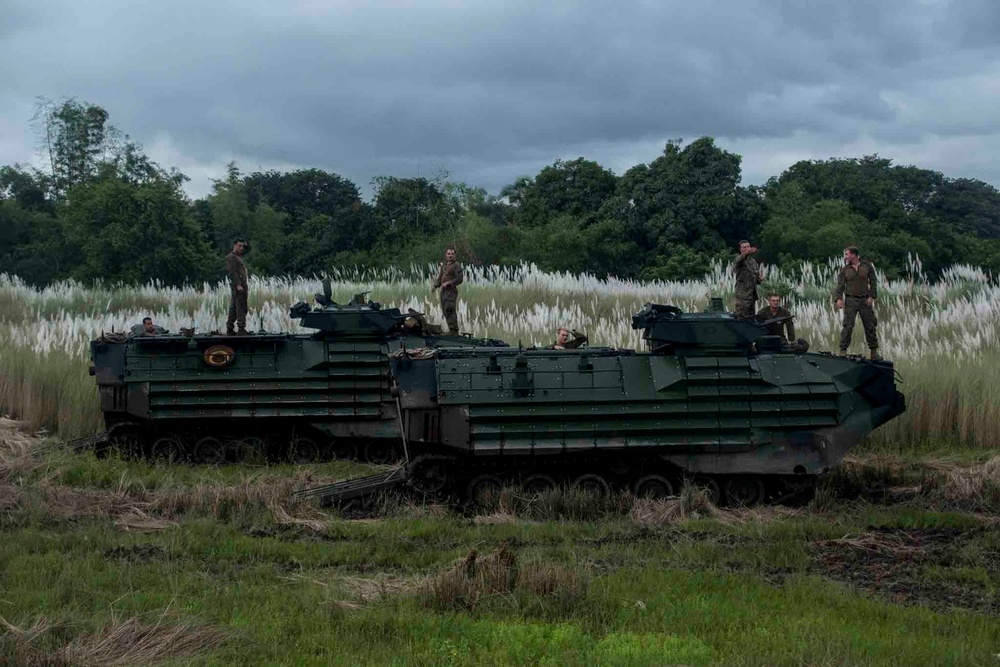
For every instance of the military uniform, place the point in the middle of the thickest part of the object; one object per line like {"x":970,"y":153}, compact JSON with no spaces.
{"x":855,"y":286}
{"x":450,"y":272}
{"x":572,"y":344}
{"x":747,"y":278}
{"x":140,"y":330}
{"x":416,"y":324}
{"x":236,"y":269}
{"x":778,"y":328}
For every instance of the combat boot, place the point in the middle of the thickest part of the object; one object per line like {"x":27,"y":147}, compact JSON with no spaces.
{"x":842,"y":353}
{"x":242,"y":332}
{"x":875,"y":356}
{"x":230,"y":332}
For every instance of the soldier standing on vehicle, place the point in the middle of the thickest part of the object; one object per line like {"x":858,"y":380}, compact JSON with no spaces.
{"x":856,"y":293}
{"x":236,"y":270}
{"x":772,"y":310}
{"x":449,"y":277}
{"x":747,"y":278}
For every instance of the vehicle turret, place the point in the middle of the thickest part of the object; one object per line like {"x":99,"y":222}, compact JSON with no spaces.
{"x":359,"y":318}
{"x":669,"y":330}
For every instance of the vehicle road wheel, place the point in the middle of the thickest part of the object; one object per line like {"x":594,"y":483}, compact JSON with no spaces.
{"x":345,"y":450}
{"x":380,"y":452}
{"x":124,"y":438}
{"x":209,"y":450}
{"x":744,"y":491}
{"x":484,"y":490}
{"x":249,"y":449}
{"x":654,"y":487}
{"x":592,"y":483}
{"x":168,"y":449}
{"x":710,"y":487}
{"x":303,"y":450}
{"x":536,"y":485}
{"x":429,"y":474}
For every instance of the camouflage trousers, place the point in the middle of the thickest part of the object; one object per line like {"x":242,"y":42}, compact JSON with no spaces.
{"x":854,"y":306}
{"x":237,"y":309}
{"x":745,"y":307}
{"x":449,"y":305}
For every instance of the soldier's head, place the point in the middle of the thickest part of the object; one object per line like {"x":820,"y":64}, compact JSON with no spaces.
{"x":449,"y":254}
{"x":147,"y":324}
{"x":851,"y":254}
{"x":744,"y":245}
{"x":562,"y":336}
{"x":774,"y":301}
{"x":240,"y":246}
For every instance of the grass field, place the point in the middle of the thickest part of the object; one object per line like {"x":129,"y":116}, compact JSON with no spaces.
{"x":115,"y":562}
{"x":895,"y":562}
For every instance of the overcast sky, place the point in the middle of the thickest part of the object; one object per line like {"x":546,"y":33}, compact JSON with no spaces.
{"x":490,"y":91}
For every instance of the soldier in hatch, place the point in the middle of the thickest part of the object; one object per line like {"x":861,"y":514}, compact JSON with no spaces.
{"x":449,"y":277}
{"x":564,"y":343}
{"x":747,"y":278}
{"x":856,"y":293}
{"x":236,"y":271}
{"x":417,"y":325}
{"x":772,"y":310}
{"x":147,"y":328}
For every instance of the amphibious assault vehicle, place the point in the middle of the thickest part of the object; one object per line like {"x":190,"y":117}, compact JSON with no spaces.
{"x":713,"y":400}
{"x":206,"y":398}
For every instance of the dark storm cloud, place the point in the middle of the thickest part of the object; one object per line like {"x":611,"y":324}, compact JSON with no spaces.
{"x":491,"y":91}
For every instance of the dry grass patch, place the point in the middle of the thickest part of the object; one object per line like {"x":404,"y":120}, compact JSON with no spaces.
{"x":692,"y":503}
{"x":302,"y":514}
{"x":499,"y":574}
{"x":883,"y":543}
{"x":979,"y":483}
{"x":119,"y":642}
{"x":64,"y":502}
{"x":19,"y":451}
{"x":10,"y":497}
{"x":373,"y":589}
{"x":138,"y":521}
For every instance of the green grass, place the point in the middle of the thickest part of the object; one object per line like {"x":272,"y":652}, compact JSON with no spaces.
{"x":778,"y":587}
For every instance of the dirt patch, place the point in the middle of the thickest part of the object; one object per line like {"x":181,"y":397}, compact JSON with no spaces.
{"x":892,"y":564}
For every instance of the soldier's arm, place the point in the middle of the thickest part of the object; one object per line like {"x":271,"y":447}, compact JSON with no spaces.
{"x":578,"y":340}
{"x":838,"y":293}
{"x":459,"y":276}
{"x":790,"y":330}
{"x":872,"y":280}
{"x":233,"y":271}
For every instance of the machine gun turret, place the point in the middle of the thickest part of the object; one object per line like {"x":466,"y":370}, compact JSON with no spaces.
{"x":669,"y":330}
{"x":359,"y":318}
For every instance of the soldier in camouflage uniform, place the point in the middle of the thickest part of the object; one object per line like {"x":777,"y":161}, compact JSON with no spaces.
{"x":236,"y":271}
{"x":856,"y":293}
{"x":449,"y":277}
{"x":773,"y":310}
{"x":747,"y":278}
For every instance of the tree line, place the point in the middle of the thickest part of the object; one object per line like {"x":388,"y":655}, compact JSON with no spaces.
{"x":100,"y":209}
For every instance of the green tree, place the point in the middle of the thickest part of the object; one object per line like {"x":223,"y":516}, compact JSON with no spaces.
{"x":133,"y":233}
{"x":233,"y":218}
